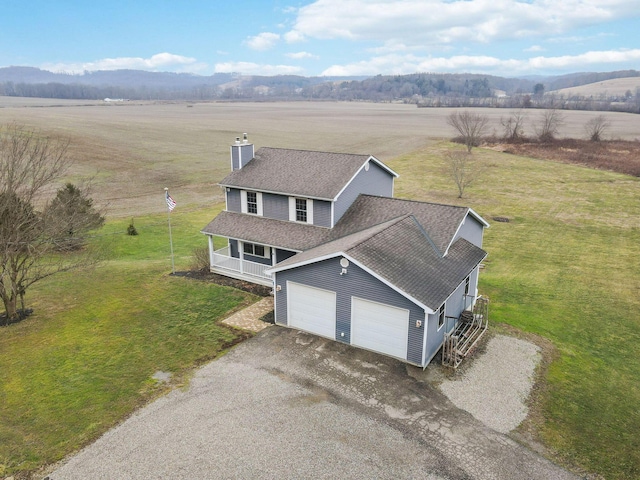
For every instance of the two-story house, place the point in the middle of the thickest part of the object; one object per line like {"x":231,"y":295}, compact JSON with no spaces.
{"x":345,"y":259}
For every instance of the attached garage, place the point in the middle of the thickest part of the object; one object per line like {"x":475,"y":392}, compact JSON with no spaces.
{"x":311,"y":309}
{"x":379,"y":327}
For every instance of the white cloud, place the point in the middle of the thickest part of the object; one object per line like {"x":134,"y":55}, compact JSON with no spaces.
{"x":534,"y":48}
{"x":250,"y":68}
{"x":263,"y":41}
{"x":161,"y":61}
{"x":437,"y":22}
{"x":294,"y":36}
{"x":300,"y":55}
{"x":405,"y":64}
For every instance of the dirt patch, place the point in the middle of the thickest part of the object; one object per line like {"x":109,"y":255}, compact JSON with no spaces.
{"x":206,"y":276}
{"x":619,"y":156}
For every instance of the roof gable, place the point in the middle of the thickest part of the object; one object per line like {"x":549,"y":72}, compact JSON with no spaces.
{"x":440,"y":222}
{"x":401,"y":254}
{"x":320,"y":175}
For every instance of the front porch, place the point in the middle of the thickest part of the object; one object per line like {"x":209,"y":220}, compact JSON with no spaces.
{"x":224,"y":263}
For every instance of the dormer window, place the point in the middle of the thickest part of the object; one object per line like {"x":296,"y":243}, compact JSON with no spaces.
{"x":251,"y":202}
{"x":301,"y":210}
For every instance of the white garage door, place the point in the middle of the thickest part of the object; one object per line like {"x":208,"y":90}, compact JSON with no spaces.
{"x":311,"y":309}
{"x":379,"y":327}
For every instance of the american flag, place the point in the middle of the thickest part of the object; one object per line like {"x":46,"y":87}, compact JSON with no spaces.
{"x":171,"y":203}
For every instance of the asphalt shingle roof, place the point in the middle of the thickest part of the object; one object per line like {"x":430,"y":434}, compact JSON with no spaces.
{"x":297,"y":172}
{"x":440,"y":222}
{"x":268,"y":231}
{"x":399,"y":251}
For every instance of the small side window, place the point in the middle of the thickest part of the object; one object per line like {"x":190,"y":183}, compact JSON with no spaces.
{"x":441,"y":316}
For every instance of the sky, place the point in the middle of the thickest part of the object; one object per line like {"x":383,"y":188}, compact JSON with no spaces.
{"x":512,"y":38}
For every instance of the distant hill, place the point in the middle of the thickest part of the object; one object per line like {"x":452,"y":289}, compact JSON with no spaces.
{"x":618,"y":87}
{"x":425,"y":89}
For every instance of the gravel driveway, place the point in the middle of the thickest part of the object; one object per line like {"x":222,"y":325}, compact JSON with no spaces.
{"x":287,"y":404}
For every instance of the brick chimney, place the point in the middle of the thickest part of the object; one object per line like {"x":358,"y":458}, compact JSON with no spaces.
{"x":241,"y":153}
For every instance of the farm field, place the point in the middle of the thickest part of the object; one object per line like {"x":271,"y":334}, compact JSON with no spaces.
{"x":135,"y":150}
{"x":565,"y":267}
{"x":615,"y":86}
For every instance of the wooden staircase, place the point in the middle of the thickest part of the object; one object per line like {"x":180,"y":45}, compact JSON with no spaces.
{"x":469,"y":329}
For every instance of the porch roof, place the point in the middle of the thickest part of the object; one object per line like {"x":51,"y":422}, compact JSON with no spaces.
{"x":267,"y":231}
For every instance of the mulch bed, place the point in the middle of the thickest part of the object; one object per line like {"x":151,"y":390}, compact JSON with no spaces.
{"x":206,"y":276}
{"x":22,"y":314}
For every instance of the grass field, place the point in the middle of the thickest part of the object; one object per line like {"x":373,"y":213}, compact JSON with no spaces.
{"x":565,"y":267}
{"x":85,"y":359}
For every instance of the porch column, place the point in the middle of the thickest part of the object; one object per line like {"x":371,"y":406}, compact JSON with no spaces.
{"x":241,"y":255}
{"x":210,"y":238}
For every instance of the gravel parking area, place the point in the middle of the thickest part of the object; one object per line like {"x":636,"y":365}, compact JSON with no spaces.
{"x":495,"y":388}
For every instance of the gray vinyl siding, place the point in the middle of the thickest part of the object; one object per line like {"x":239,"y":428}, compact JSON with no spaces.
{"x":358,"y":283}
{"x":234,"y":203}
{"x":376,"y":181}
{"x":322,"y":213}
{"x":233,"y":246}
{"x":241,"y":155}
{"x":282,"y":255}
{"x":275,"y":206}
{"x":453,"y":308}
{"x":246,"y":153}
{"x":471,"y":230}
{"x":235,"y":158}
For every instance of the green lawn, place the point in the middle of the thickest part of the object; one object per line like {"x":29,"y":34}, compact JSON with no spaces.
{"x":566,"y":267}
{"x":85,"y":359}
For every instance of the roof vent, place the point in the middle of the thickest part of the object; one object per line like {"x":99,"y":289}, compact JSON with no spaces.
{"x":244,"y":137}
{"x":237,"y":140}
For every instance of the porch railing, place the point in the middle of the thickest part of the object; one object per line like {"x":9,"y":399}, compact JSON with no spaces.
{"x":222,"y":259}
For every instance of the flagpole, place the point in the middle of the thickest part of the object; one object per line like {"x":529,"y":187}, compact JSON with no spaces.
{"x":173,"y":267}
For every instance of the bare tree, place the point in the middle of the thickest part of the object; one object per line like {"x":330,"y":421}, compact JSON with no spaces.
{"x":596,"y":128}
{"x":550,"y":122}
{"x":513,"y":125}
{"x":470,"y":126}
{"x":463,"y":169}
{"x":29,"y":163}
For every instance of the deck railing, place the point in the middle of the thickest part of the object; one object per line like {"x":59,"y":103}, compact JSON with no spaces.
{"x":222,"y":259}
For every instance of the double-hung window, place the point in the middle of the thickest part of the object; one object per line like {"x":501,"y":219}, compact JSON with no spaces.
{"x":251,"y":202}
{"x":301,"y":210}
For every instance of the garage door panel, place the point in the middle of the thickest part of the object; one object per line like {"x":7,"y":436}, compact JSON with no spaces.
{"x":311,"y":309}
{"x":379,"y":327}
